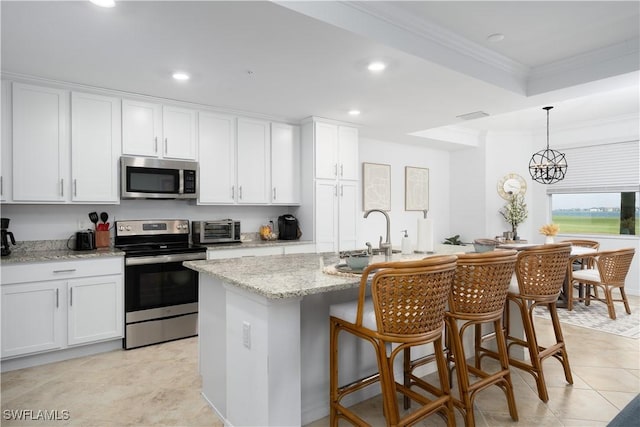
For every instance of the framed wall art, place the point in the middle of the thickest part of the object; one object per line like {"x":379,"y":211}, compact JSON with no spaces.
{"x":416,"y":189}
{"x":376,"y":186}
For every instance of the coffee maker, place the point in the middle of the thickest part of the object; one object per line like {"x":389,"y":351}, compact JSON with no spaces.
{"x":6,"y":235}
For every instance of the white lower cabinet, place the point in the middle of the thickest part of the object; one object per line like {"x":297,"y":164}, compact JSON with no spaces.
{"x":52,"y":306}
{"x":95,"y":310}
{"x":32,"y":318}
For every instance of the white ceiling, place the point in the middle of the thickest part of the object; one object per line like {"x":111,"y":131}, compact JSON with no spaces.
{"x":309,"y":58}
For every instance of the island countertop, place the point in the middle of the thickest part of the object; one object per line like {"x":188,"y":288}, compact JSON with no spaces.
{"x":289,"y":276}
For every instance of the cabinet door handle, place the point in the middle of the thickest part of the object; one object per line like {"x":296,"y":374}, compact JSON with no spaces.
{"x":233,"y":192}
{"x":69,"y":270}
{"x":341,"y":170}
{"x":341,"y":190}
{"x":61,"y":187}
{"x":166,"y":143}
{"x":274,"y":193}
{"x":71,"y":296}
{"x":335,"y":169}
{"x":240,"y":192}
{"x":155,"y":150}
{"x":75,"y":187}
{"x":57,"y":297}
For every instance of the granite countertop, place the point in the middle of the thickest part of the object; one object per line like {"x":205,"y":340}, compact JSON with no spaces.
{"x":52,"y":250}
{"x":290,"y":276}
{"x":255,"y":243}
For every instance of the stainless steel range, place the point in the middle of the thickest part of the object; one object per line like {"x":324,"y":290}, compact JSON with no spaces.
{"x":161,"y":296}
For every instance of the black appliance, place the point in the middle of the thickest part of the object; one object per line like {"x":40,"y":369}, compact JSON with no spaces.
{"x":288,"y":228}
{"x":85,"y":240}
{"x":6,"y":237}
{"x":161,"y":295}
{"x":145,"y":178}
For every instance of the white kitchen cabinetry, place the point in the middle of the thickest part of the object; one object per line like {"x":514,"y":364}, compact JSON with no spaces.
{"x":5,"y":142}
{"x":253,"y":147}
{"x":285,"y":164}
{"x":336,"y":151}
{"x":32,"y":318}
{"x":95,"y":309}
{"x":179,"y":133}
{"x":217,"y":158}
{"x":40,"y":145}
{"x":154,"y":130}
{"x":54,"y":305}
{"x":95,"y":148}
{"x":330,"y":149}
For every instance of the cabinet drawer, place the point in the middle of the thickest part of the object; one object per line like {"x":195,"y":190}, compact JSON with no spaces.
{"x":41,"y":271}
{"x":237,"y":253}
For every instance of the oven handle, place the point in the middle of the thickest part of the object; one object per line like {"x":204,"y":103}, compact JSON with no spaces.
{"x":161,"y":259}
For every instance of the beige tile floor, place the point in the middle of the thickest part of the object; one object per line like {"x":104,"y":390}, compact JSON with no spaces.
{"x":159,"y":386}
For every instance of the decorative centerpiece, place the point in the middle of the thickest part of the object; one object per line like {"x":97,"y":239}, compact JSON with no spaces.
{"x":549,"y":230}
{"x":515,"y":212}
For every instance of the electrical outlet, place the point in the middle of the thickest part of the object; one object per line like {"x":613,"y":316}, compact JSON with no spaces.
{"x":246,"y":334}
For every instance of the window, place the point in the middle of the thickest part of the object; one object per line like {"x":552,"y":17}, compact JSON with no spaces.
{"x":601,"y":191}
{"x":597,"y":213}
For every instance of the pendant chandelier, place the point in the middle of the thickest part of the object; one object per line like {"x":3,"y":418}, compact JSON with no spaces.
{"x":548,"y":166}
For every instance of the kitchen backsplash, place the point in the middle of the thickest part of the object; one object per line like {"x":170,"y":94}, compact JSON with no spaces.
{"x":59,"y":222}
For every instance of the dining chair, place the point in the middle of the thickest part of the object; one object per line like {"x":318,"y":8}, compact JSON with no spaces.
{"x":579,"y":263}
{"x":406,"y":309}
{"x":540,"y":272}
{"x":609,"y":272}
{"x":478,"y":297}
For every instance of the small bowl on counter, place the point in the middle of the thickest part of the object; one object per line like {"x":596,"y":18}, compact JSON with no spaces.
{"x":484,"y":245}
{"x":358,"y":261}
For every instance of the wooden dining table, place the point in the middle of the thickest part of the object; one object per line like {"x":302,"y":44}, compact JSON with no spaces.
{"x":577,"y":252}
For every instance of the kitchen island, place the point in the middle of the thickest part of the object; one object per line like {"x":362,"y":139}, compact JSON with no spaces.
{"x":264,"y":336}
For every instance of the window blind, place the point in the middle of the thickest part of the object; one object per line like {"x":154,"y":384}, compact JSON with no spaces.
{"x":601,"y":169}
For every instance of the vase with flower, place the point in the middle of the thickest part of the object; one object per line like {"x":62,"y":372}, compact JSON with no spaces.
{"x":515,"y":212}
{"x":549,"y":231}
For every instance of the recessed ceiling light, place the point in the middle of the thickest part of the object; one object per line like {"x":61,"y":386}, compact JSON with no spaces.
{"x":354,"y":112}
{"x":497,"y":37}
{"x":376,"y":66}
{"x":179,"y":75}
{"x":104,"y":3}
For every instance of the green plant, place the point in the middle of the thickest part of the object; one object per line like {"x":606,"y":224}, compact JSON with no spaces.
{"x":515,"y":211}
{"x":454,"y":240}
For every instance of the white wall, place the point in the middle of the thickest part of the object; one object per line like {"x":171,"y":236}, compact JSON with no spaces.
{"x":499,"y":153}
{"x":53,"y":222}
{"x":399,"y":156}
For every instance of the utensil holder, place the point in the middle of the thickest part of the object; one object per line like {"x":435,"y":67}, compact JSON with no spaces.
{"x":103,"y":239}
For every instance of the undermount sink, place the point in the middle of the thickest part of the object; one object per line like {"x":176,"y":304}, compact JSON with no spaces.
{"x":375,"y":251}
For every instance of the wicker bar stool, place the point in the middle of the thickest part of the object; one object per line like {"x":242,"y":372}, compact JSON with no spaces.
{"x":406,"y":309}
{"x":609,"y":272}
{"x":478,"y":296}
{"x":580,"y":263}
{"x":540,"y":272}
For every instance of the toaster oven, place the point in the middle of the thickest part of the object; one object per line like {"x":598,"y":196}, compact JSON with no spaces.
{"x":219,"y":231}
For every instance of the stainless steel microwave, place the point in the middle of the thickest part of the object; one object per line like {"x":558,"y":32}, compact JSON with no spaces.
{"x":145,"y":178}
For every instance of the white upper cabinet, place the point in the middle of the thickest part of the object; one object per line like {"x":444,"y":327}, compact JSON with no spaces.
{"x":179,"y":133}
{"x":5,"y":142}
{"x":347,"y":153}
{"x":141,"y":128}
{"x":285,"y":164}
{"x":253,"y":146}
{"x":154,"y":130}
{"x":336,"y":151}
{"x":95,"y":148}
{"x":217,"y":158}
{"x":40,"y":144}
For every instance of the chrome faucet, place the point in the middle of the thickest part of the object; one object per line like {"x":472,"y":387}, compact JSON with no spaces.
{"x":387,"y":244}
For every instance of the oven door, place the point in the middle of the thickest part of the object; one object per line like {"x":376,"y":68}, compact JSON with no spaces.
{"x":155,"y":282}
